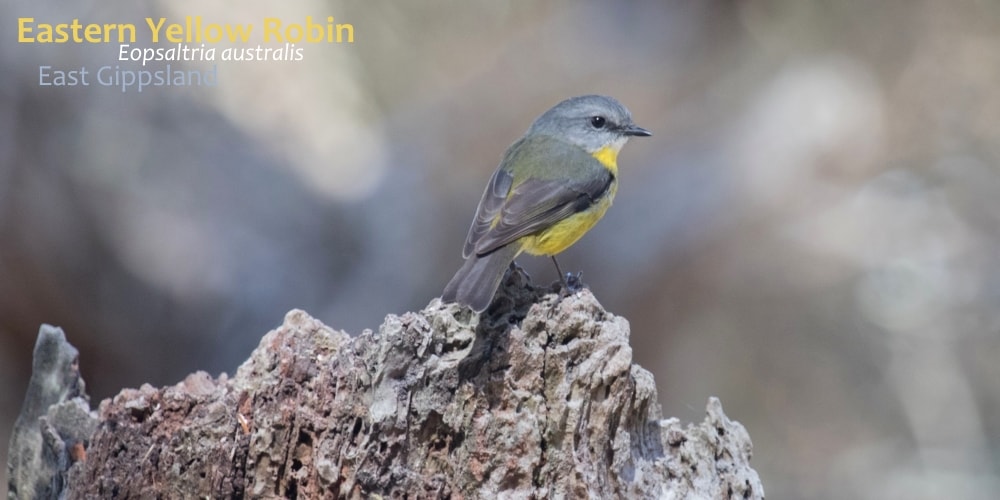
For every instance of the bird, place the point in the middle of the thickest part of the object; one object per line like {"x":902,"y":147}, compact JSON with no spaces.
{"x":551,"y":187}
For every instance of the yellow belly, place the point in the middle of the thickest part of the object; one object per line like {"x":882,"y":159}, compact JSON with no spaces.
{"x":564,"y":233}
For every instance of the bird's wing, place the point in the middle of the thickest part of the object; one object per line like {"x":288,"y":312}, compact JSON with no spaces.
{"x":570,"y":182}
{"x":489,"y":206}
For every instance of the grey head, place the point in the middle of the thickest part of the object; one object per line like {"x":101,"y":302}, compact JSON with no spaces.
{"x":590,"y":121}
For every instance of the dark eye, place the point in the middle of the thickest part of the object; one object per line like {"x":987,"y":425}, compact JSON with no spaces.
{"x":598,"y":122}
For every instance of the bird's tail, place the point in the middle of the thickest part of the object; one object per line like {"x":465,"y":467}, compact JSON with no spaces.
{"x":476,"y":282}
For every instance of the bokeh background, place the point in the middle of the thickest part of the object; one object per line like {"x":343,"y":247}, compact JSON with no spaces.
{"x":812,"y":234}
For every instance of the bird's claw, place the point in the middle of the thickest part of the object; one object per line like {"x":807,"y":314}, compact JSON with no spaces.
{"x":574,"y":282}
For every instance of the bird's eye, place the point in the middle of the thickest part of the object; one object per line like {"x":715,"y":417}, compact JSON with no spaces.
{"x":598,"y":122}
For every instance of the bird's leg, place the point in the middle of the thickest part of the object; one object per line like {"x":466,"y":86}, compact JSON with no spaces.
{"x":570,"y":282}
{"x":563,"y":291}
{"x":562,"y":277}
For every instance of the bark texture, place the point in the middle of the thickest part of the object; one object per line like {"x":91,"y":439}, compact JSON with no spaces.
{"x":531,"y":400}
{"x":55,"y":421}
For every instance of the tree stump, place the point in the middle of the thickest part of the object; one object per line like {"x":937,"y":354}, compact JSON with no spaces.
{"x":536,"y":398}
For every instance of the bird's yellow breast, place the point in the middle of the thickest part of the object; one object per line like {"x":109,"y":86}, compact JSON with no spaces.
{"x":566,"y":232}
{"x":608,"y":156}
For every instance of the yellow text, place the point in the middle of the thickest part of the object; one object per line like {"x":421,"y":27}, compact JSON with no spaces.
{"x":72,"y":32}
{"x":311,"y":32}
{"x":193,"y":30}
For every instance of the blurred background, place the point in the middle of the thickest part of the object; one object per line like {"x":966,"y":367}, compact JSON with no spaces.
{"x":811,"y":234}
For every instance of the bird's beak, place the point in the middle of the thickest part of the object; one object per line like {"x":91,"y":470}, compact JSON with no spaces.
{"x":633,"y":129}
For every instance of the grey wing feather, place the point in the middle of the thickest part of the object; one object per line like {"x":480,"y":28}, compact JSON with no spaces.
{"x":535,"y":205}
{"x":489,"y":206}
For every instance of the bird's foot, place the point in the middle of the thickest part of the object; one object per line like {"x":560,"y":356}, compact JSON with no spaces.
{"x":568,"y":285}
{"x":573,"y":282}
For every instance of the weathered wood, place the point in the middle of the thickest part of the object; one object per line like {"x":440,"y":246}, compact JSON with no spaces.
{"x":55,"y":421}
{"x":530,"y":401}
